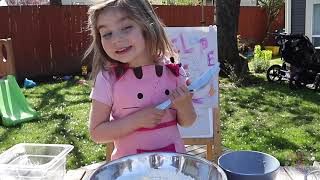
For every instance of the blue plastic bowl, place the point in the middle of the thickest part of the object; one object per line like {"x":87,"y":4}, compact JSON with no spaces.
{"x":249,"y":165}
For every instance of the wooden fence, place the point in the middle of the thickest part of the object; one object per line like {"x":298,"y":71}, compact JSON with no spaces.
{"x":50,"y":40}
{"x":253,"y":21}
{"x":47,"y":40}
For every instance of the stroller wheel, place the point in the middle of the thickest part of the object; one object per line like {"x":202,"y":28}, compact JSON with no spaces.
{"x":274,"y":73}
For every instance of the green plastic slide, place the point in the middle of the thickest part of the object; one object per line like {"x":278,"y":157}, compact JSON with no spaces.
{"x":14,"y":108}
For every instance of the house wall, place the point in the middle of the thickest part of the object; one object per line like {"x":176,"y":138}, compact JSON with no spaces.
{"x":76,"y":2}
{"x":248,"y":3}
{"x":298,"y":15}
{"x":3,"y":3}
{"x":242,"y":2}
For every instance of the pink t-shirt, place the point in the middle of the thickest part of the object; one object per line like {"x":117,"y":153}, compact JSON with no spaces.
{"x":133,"y":92}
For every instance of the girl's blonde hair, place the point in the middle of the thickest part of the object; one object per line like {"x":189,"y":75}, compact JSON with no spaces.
{"x":143,"y":14}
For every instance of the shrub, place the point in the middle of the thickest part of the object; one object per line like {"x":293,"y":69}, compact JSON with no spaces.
{"x":266,"y":55}
{"x":257,"y":52}
{"x":261,"y":59}
{"x":260,"y":65}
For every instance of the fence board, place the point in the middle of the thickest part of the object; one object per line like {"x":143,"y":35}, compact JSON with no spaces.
{"x":252,"y":23}
{"x":22,"y":38}
{"x":43,"y":41}
{"x":5,"y":22}
{"x":184,"y":15}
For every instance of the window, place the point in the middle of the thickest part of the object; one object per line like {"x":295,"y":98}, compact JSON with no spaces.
{"x":312,"y":21}
{"x":316,"y":25}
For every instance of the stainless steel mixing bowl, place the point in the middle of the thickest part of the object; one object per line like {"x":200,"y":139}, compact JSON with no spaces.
{"x":175,"y":165}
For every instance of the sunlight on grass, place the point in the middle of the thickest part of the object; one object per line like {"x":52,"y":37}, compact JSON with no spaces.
{"x":63,"y":108}
{"x":273,"y":119}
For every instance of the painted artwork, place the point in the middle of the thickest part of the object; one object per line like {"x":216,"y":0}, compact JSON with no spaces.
{"x":197,"y":49}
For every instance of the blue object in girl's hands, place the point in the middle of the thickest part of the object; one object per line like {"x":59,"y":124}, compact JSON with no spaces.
{"x":203,"y":80}
{"x":199,"y":83}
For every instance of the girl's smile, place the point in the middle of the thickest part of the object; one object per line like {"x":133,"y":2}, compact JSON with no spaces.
{"x":122,"y":38}
{"x":123,"y":50}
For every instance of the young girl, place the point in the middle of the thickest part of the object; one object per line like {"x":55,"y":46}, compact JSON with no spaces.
{"x":132,"y":76}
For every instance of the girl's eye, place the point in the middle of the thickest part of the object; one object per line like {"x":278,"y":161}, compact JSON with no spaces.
{"x":126,"y":29}
{"x":107,"y":35}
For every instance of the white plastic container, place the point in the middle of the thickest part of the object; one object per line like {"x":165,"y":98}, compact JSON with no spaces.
{"x":28,"y":161}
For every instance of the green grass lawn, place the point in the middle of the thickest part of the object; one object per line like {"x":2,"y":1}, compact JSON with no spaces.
{"x":261,"y":116}
{"x":63,"y":108}
{"x":270,"y":117}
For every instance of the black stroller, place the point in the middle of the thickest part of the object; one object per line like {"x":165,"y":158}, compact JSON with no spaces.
{"x":301,"y":61}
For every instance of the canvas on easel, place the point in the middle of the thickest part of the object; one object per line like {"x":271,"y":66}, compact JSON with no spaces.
{"x":198,"y":52}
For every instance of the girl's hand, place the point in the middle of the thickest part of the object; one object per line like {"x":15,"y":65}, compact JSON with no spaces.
{"x":182,"y":101}
{"x":181,"y":98}
{"x":148,"y":117}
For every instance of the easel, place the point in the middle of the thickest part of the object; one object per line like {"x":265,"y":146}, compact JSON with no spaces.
{"x":7,"y":66}
{"x":215,"y":141}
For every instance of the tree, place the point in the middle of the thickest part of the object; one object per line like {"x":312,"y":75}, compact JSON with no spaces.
{"x":272,"y":8}
{"x":227,"y":22}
